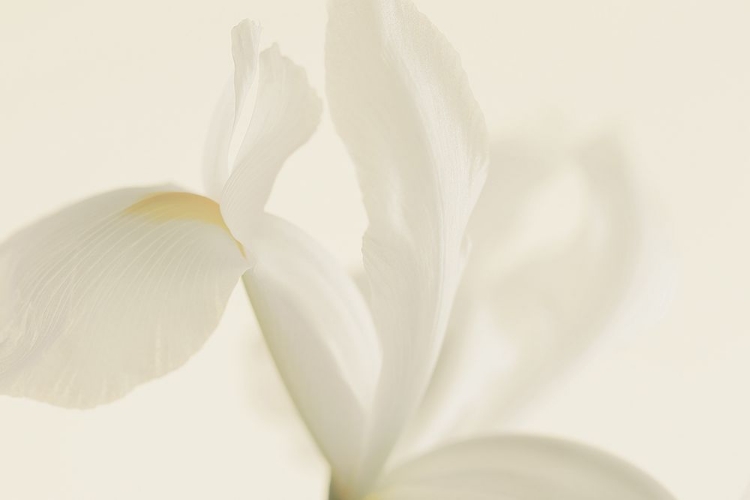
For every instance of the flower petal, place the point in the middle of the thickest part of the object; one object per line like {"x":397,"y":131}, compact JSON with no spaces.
{"x":110,"y":293}
{"x":245,"y":48}
{"x":320,"y":333}
{"x":402,"y":104}
{"x":518,"y":322}
{"x":516,"y":467}
{"x":287,"y":112}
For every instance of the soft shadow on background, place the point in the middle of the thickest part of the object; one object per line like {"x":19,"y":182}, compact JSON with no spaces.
{"x":651,"y":142}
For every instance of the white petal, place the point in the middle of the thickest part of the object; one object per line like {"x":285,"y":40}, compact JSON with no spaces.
{"x":110,"y":293}
{"x":518,"y":323}
{"x":518,"y":468}
{"x":401,"y":102}
{"x":320,"y":333}
{"x":286,"y":113}
{"x":245,"y":48}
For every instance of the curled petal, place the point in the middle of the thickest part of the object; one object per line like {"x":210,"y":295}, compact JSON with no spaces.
{"x":517,"y":467}
{"x":286,"y":113}
{"x":245,"y":49}
{"x":519,"y":322}
{"x":112,"y":292}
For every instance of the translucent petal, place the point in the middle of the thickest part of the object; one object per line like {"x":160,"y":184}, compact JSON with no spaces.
{"x":245,"y":48}
{"x":401,"y":102}
{"x":286,"y":113}
{"x":519,"y":321}
{"x":320,"y":333}
{"x":518,"y":468}
{"x":112,"y":292}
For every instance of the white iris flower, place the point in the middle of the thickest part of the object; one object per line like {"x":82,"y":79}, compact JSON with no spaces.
{"x":402,"y":105}
{"x":124,"y":287}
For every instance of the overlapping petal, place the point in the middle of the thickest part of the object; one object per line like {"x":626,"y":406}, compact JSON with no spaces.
{"x":517,"y":323}
{"x":320,"y":333}
{"x":111,"y":292}
{"x":316,"y":324}
{"x":245,"y":50}
{"x":286,"y":113}
{"x":401,"y":102}
{"x":517,"y":467}
{"x":124,"y":287}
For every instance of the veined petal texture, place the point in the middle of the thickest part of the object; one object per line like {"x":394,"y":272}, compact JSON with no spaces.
{"x":286,"y":113}
{"x":401,"y":102}
{"x":112,"y":292}
{"x":245,"y":49}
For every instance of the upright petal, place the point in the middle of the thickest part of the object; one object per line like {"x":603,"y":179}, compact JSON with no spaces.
{"x":518,"y":468}
{"x":245,"y":48}
{"x":112,"y":292}
{"x":286,"y":113}
{"x":518,"y":322}
{"x":402,"y":104}
{"x":320,"y":333}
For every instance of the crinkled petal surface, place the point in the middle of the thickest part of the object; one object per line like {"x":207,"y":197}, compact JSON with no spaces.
{"x":320,"y":333}
{"x":401,"y":102}
{"x":518,"y":468}
{"x":112,"y":292}
{"x":245,"y":49}
{"x":286,"y":113}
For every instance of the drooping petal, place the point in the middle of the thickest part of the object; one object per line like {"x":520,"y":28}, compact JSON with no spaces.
{"x":518,"y":468}
{"x":518,"y":322}
{"x":286,"y":113}
{"x":245,"y":48}
{"x":320,"y":334}
{"x":112,"y":292}
{"x":402,"y":105}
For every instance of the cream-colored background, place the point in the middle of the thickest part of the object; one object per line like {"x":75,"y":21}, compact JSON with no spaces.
{"x":97,"y":95}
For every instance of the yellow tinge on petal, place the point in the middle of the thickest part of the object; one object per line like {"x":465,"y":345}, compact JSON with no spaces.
{"x":111,"y":292}
{"x":181,"y":205}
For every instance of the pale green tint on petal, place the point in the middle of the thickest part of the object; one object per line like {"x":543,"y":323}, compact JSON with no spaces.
{"x":112,"y":292}
{"x":320,"y":334}
{"x":286,"y":113}
{"x":518,"y":468}
{"x":401,"y":102}
{"x":245,"y":49}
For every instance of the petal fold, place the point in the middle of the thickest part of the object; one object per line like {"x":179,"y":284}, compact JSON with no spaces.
{"x":401,"y":102}
{"x":320,"y":333}
{"x":245,"y":49}
{"x":517,"y":467}
{"x":112,"y":292}
{"x":286,"y":113}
